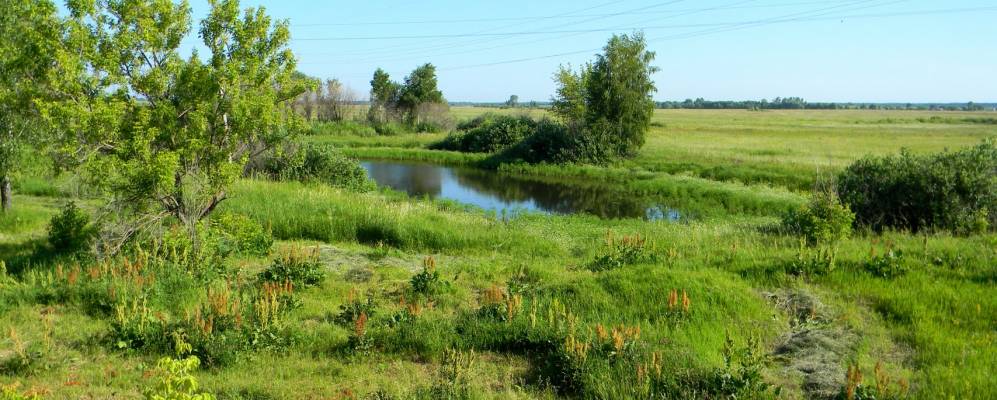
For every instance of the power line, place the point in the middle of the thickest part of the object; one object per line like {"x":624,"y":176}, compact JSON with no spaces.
{"x":617,"y":28}
{"x":519,"y":33}
{"x":488,"y":39}
{"x":473,"y":34}
{"x":407,"y":48}
{"x":742,"y":26}
{"x":538,"y":18}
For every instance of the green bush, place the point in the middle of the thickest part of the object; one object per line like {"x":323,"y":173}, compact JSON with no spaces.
{"x":954,"y":191}
{"x":555,"y":142}
{"x":488,"y":133}
{"x":316,"y":164}
{"x":240,"y":234}
{"x":299,"y":266}
{"x":70,"y":230}
{"x":823,"y":220}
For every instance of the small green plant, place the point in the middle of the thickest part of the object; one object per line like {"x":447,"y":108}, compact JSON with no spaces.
{"x":24,"y":358}
{"x":454,"y":381}
{"x":70,"y":231}
{"x":176,"y":381}
{"x":500,"y":305}
{"x":889,"y":265}
{"x":360,"y":342}
{"x":741,"y":374}
{"x":299,"y":266}
{"x":427,"y":282}
{"x":812,"y":262}
{"x":628,"y":250}
{"x":10,"y":392}
{"x":822,"y":221}
{"x":886,"y":388}
{"x":353,"y":307}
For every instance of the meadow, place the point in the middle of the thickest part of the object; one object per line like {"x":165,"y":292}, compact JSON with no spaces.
{"x":457,"y":303}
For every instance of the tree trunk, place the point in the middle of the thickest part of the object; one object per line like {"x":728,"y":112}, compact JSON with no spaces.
{"x":5,"y":195}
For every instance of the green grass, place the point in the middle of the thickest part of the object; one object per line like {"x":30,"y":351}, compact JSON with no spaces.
{"x":933,"y":325}
{"x":789,"y":148}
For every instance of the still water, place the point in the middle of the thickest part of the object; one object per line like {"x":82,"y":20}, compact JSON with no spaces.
{"x":503,"y":193}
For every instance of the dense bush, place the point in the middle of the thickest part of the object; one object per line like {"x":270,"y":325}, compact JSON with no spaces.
{"x":316,"y":164}
{"x":240,"y":234}
{"x":955,"y":191}
{"x":555,"y":142}
{"x":488,"y":133}
{"x":823,"y":220}
{"x":70,"y":230}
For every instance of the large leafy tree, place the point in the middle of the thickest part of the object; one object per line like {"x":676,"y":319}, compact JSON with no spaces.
{"x":162,"y":133}
{"x":29,"y":30}
{"x":389,"y":99}
{"x":611,"y":98}
{"x":383,"y":96}
{"x":420,"y":88}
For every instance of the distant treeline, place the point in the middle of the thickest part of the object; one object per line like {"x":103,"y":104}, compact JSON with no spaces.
{"x":779,"y":103}
{"x":797,"y":103}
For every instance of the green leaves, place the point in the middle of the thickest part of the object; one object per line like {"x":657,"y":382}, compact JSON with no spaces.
{"x":609,"y":101}
{"x":158,"y":130}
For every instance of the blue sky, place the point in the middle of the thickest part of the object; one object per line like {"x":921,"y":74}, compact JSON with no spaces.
{"x":832,"y":50}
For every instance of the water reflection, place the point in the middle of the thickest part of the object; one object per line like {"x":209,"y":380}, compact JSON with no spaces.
{"x":504,"y":193}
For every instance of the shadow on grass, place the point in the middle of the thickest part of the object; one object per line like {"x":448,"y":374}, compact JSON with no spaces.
{"x":23,"y":256}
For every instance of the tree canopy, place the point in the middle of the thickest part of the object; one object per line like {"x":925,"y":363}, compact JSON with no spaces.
{"x":609,"y":100}
{"x":30,"y":31}
{"x":162,"y":133}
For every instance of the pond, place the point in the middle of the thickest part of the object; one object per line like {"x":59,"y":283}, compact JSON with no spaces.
{"x":503,"y":193}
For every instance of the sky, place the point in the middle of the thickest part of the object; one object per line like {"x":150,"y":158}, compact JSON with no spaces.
{"x":831,"y":50}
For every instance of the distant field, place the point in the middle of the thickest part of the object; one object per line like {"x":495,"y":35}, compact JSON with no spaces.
{"x":778,"y":147}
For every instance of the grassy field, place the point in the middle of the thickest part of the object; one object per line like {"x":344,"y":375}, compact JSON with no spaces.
{"x":547,"y":306}
{"x":785,"y":148}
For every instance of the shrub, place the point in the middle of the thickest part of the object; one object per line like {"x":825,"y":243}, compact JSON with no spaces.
{"x":240,"y":234}
{"x":954,"y":191}
{"x":301,"y":267}
{"x":315,"y":164}
{"x":555,"y":142}
{"x":550,"y":142}
{"x":70,"y":230}
{"x":489,"y":133}
{"x":326,"y":165}
{"x":823,"y":220}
